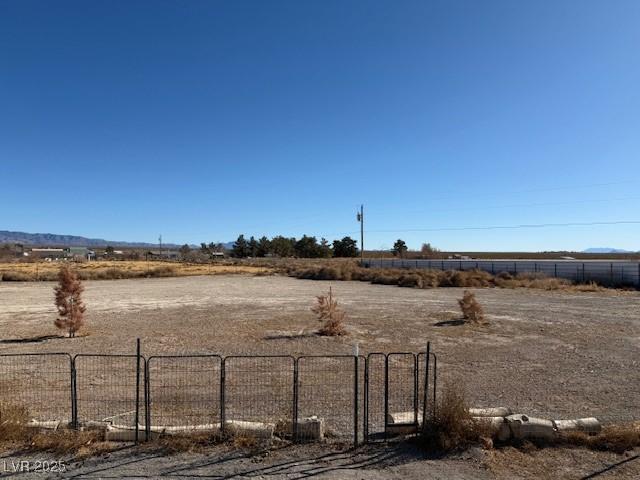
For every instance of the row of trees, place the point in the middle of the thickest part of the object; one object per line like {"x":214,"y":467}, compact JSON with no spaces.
{"x":305,"y":247}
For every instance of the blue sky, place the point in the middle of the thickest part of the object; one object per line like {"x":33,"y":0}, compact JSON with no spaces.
{"x":201,"y":120}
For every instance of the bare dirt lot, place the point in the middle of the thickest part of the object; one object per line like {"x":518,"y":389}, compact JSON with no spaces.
{"x":551,"y":353}
{"x":554,"y":354}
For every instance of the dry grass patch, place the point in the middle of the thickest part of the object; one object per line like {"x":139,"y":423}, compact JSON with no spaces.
{"x":194,"y":442}
{"x":13,"y":420}
{"x":612,"y":438}
{"x":114,"y":270}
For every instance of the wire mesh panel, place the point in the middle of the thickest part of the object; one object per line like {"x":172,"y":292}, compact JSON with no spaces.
{"x":426,"y":405}
{"x":106,"y":389}
{"x":260,"y":389}
{"x":327,"y":390}
{"x":184,"y":390}
{"x":375,"y":413}
{"x":402,"y":388}
{"x":41,"y":383}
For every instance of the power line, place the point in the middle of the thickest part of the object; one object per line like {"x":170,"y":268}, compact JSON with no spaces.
{"x":506,"y":227}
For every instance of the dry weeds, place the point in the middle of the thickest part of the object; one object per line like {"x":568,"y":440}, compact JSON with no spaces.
{"x":423,"y":278}
{"x":471,"y":308}
{"x":113,"y":270}
{"x":613,"y":438}
{"x":453,"y":428}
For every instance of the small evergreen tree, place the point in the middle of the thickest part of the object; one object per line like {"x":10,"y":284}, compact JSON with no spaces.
{"x":68,"y":298}
{"x":264,"y":247}
{"x":347,"y":247}
{"x":399,"y":248}
{"x":252,"y":247}
{"x":240,"y":248}
{"x":185,"y":250}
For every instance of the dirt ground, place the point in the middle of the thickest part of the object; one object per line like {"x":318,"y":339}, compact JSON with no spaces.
{"x":553,"y":354}
{"x":549,"y":353}
{"x":377,"y":462}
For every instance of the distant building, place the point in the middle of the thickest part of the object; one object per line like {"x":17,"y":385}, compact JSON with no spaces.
{"x":48,"y":253}
{"x":164,"y":254}
{"x":77,"y":253}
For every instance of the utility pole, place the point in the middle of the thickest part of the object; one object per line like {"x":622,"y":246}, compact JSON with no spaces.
{"x":160,"y":242}
{"x":360,"y":217}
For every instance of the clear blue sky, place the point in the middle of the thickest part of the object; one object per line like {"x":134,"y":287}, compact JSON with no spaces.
{"x":201,"y":120}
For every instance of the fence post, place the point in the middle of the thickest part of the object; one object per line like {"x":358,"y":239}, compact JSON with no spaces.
{"x":137,"y":419}
{"x":611,"y":273}
{"x":147,"y":403}
{"x":426,"y":388}
{"x":555,"y":270}
{"x":222,"y":388}
{"x":386,"y":392}
{"x":365,"y":433}
{"x":295,"y":400}
{"x":74,"y":394}
{"x":415,"y":389}
{"x":435,"y":383}
{"x":356,"y":354}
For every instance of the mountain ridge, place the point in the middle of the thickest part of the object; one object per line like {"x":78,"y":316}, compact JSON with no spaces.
{"x":51,"y":239}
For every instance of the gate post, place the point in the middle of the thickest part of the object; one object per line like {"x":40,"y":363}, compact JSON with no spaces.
{"x":356,"y":354}
{"x":426,"y":388}
{"x":295,"y":400}
{"x":365,"y":433}
{"x":74,"y":394}
{"x":222,"y":387}
{"x":137,"y":418}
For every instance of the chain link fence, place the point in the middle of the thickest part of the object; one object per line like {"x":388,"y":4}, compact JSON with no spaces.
{"x":618,"y":274}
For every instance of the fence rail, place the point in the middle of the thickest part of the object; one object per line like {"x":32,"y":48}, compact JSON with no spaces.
{"x":613,"y":273}
{"x":352,"y":396}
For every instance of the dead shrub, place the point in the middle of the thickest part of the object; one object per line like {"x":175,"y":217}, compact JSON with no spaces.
{"x":13,"y":420}
{"x":453,"y":428}
{"x":327,"y":310}
{"x":17,"y":277}
{"x":164,"y":271}
{"x":471,"y":309}
{"x":411,"y":280}
{"x":384,"y":279}
{"x":612,"y":438}
{"x":68,"y":299}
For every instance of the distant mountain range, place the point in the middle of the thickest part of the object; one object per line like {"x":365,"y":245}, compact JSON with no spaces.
{"x":51,"y":239}
{"x":605,"y":250}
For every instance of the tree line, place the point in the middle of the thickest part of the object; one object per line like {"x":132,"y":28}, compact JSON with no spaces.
{"x":304,"y":247}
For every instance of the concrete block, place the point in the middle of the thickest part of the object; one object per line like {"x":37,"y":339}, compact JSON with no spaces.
{"x":258,"y":430}
{"x":403,"y":417}
{"x":589,"y":425}
{"x":524,"y":427}
{"x":490,"y":412}
{"x":311,"y":429}
{"x":46,"y":425}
